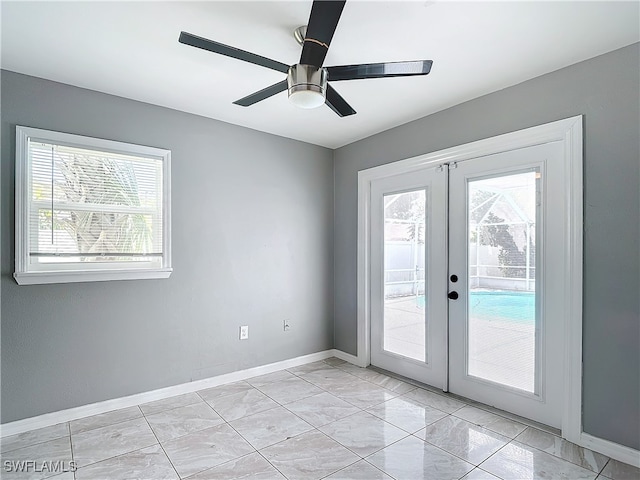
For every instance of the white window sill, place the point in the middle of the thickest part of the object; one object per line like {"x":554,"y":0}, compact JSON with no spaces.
{"x":36,"y":278}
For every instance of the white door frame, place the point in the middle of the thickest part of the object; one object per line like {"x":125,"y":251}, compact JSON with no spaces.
{"x":567,"y":131}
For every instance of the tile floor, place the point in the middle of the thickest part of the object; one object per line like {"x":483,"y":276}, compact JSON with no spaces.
{"x":326,"y":419}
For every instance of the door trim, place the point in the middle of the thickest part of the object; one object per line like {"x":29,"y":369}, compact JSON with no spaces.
{"x":567,"y":131}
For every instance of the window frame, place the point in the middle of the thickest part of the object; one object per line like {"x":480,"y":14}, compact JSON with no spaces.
{"x":26,"y":275}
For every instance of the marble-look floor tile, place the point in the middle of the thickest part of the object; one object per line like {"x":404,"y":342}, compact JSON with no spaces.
{"x":407,"y":414}
{"x":360,"y":393}
{"x":363,"y":433}
{"x":562,"y":448}
{"x":224,"y":390}
{"x":334,"y":361}
{"x":33,"y":437}
{"x":169,"y":403}
{"x":44,"y":455}
{"x":378,"y":378}
{"x":516,"y":418}
{"x":463,"y":439}
{"x":238,"y":405}
{"x":321,"y":409}
{"x":489,"y":420}
{"x":478,"y":474}
{"x":269,"y":427}
{"x":104,"y":419}
{"x":120,"y":444}
{"x":289,"y":390}
{"x":361,"y":470}
{"x":249,"y":467}
{"x":328,"y":377}
{"x":360,"y":372}
{"x":106,"y":442}
{"x":621,"y":471}
{"x":148,"y":463}
{"x":182,"y":420}
{"x":411,"y":458}
{"x":199,"y":451}
{"x":270,"y":378}
{"x":310,"y":367}
{"x":435,"y":400}
{"x":309,"y":456}
{"x":393,"y":384}
{"x":68,"y":475}
{"x":517,"y":460}
{"x":368,"y":399}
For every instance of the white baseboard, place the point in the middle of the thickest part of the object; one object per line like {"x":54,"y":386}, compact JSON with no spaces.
{"x":347,"y":357}
{"x":54,"y":418}
{"x":610,"y":449}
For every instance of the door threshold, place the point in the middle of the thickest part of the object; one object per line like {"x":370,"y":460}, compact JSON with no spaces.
{"x":481,"y":406}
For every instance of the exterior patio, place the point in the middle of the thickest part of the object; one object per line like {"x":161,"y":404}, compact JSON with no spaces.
{"x":500,"y":350}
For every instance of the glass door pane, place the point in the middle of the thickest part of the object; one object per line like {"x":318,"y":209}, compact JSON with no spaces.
{"x":501,"y":216}
{"x":404,"y":274}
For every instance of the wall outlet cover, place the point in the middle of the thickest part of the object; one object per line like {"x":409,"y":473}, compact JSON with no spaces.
{"x":244,"y":332}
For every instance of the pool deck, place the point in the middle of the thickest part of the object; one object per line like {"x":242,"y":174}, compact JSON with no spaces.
{"x":501,"y":351}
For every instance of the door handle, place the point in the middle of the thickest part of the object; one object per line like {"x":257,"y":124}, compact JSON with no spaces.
{"x":453,"y":295}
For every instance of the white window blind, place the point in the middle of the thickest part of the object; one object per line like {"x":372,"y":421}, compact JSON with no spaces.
{"x":90,"y":209}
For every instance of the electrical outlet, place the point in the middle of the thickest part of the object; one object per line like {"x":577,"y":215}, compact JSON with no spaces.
{"x":244,"y":332}
{"x":286,"y":324}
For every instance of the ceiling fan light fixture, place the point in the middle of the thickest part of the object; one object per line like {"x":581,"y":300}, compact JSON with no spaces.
{"x":303,"y":98}
{"x":307,"y":85}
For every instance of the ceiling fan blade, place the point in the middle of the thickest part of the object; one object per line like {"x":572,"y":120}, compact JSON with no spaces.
{"x":322,"y":25}
{"x":215,"y":47}
{"x":379,"y":70}
{"x":337,"y":103}
{"x":262,"y":94}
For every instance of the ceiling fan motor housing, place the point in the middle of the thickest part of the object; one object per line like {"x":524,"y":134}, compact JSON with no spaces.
{"x":307,"y":85}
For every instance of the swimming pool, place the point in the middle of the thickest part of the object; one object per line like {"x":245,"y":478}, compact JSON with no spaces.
{"x":500,"y":305}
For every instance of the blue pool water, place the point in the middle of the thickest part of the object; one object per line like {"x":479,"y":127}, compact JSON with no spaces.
{"x":500,"y":305}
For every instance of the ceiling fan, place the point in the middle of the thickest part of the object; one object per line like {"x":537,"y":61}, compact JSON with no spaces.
{"x":307,"y":81}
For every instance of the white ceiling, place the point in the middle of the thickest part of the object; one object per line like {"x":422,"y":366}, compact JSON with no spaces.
{"x":131,"y":49}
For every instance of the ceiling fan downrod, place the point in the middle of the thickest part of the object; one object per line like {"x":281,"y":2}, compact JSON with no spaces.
{"x":299,"y":34}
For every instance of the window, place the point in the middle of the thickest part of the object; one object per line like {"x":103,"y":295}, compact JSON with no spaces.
{"x":89,"y":209}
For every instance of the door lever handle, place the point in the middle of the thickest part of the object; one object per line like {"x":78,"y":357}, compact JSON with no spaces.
{"x":453,"y":295}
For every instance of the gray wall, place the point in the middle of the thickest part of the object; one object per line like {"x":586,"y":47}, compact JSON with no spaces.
{"x":606,"y":90}
{"x":252,"y":245}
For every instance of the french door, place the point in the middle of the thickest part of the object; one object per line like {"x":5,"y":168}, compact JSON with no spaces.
{"x":408,"y":296}
{"x":467,"y":272}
